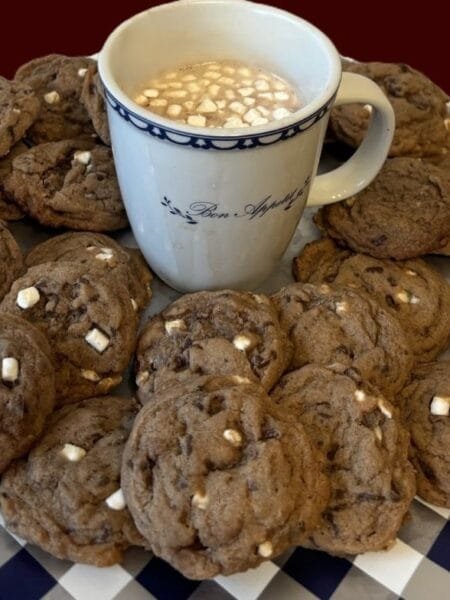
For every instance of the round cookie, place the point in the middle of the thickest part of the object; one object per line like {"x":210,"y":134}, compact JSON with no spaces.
{"x":412,"y":291}
{"x":218,"y":479}
{"x":212,"y":333}
{"x":420,"y":109}
{"x":27,"y":386}
{"x":341,"y":326}
{"x":11,"y":260}
{"x":9,"y":211}
{"x":90,"y":322}
{"x":426,"y":414}
{"x":372,"y":482}
{"x":403,"y":213}
{"x":66,"y":496}
{"x":93,"y":99}
{"x":127,"y":264}
{"x":19,"y":108}
{"x":57,"y":81}
{"x":70,"y":184}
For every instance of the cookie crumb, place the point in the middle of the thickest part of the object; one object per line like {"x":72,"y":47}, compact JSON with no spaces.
{"x":233,"y":436}
{"x":116,"y":501}
{"x":73,"y":453}
{"x":10,"y":369}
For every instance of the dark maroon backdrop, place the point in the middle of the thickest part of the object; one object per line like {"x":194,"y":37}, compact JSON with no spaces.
{"x":367,"y":30}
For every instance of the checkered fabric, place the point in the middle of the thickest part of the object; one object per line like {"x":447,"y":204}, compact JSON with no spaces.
{"x":417,"y":567}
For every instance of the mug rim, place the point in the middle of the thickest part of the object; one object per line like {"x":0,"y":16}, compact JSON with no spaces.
{"x":142,"y":119}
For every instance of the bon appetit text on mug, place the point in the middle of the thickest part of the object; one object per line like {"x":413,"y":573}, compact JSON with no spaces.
{"x":212,"y":210}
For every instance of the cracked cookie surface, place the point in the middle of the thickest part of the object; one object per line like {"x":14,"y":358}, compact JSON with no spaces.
{"x":11,"y":260}
{"x":89,"y":320}
{"x":27,"y":386}
{"x":88,"y":248}
{"x":212,"y":333}
{"x":338,"y":325}
{"x":218,"y":479}
{"x":426,"y":413}
{"x":70,"y":184}
{"x":358,"y":431}
{"x":19,"y":108}
{"x":403,"y":213}
{"x":9,"y":210}
{"x":65,"y":497}
{"x":412,"y":291}
{"x":420,"y":108}
{"x":57,"y":81}
{"x":94,"y":101}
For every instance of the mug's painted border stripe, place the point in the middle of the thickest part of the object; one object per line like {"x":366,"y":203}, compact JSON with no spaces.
{"x":207,"y":142}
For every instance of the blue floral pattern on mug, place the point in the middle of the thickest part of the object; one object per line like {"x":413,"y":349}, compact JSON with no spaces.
{"x":208,"y":142}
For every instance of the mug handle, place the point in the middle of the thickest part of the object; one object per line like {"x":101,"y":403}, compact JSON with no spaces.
{"x":356,"y":173}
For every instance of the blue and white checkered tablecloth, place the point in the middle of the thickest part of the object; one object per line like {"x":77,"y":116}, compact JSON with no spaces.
{"x":416,"y":568}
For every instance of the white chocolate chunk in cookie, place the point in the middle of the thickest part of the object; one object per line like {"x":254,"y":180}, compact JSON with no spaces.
{"x":440,"y":406}
{"x":52,"y":97}
{"x":411,"y":272}
{"x":200,"y":500}
{"x":242,"y":342}
{"x":117,"y":500}
{"x":382,"y":405}
{"x":360,"y":396}
{"x":28,"y":297}
{"x":82,"y":72}
{"x":233,"y":436}
{"x":142,"y":378}
{"x":378,"y":433}
{"x":240,"y":380}
{"x":265,"y":549}
{"x":134,"y":304}
{"x":97,"y":339}
{"x":341,"y":307}
{"x":10,"y":369}
{"x":105,"y":254}
{"x":73,"y":453}
{"x":407,"y":297}
{"x":90,"y":375}
{"x":175,"y":325}
{"x":83,"y":156}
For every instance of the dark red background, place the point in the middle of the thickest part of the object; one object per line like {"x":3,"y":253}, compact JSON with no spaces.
{"x":367,"y":30}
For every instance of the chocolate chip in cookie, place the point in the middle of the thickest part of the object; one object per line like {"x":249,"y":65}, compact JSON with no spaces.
{"x":412,"y":290}
{"x":212,"y":333}
{"x":66,"y":496}
{"x":70,"y":184}
{"x":359,"y":433}
{"x":343,"y":326}
{"x":218,"y":479}
{"x":27,"y":386}
{"x":89,"y":319}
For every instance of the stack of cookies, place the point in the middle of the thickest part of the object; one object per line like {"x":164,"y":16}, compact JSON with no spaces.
{"x":56,"y":165}
{"x":306,"y":418}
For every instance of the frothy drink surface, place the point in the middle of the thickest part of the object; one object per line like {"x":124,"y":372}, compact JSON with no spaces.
{"x":219,"y":94}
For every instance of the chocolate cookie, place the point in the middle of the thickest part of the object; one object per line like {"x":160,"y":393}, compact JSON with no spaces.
{"x":372,"y":482}
{"x":403,"y":213}
{"x":11,"y":261}
{"x":19,"y":108}
{"x":66,"y":496}
{"x":420,"y":109}
{"x":341,"y":326}
{"x":212,"y":333}
{"x":89,"y":320}
{"x":94,"y":101}
{"x":127,"y":264}
{"x":69,"y":184}
{"x":412,"y":291}
{"x":218,"y":479}
{"x":57,"y":81}
{"x":9,"y":211}
{"x":426,"y":413}
{"x":27,"y":386}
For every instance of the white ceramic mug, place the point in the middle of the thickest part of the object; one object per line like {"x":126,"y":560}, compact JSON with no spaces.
{"x":217,"y":208}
